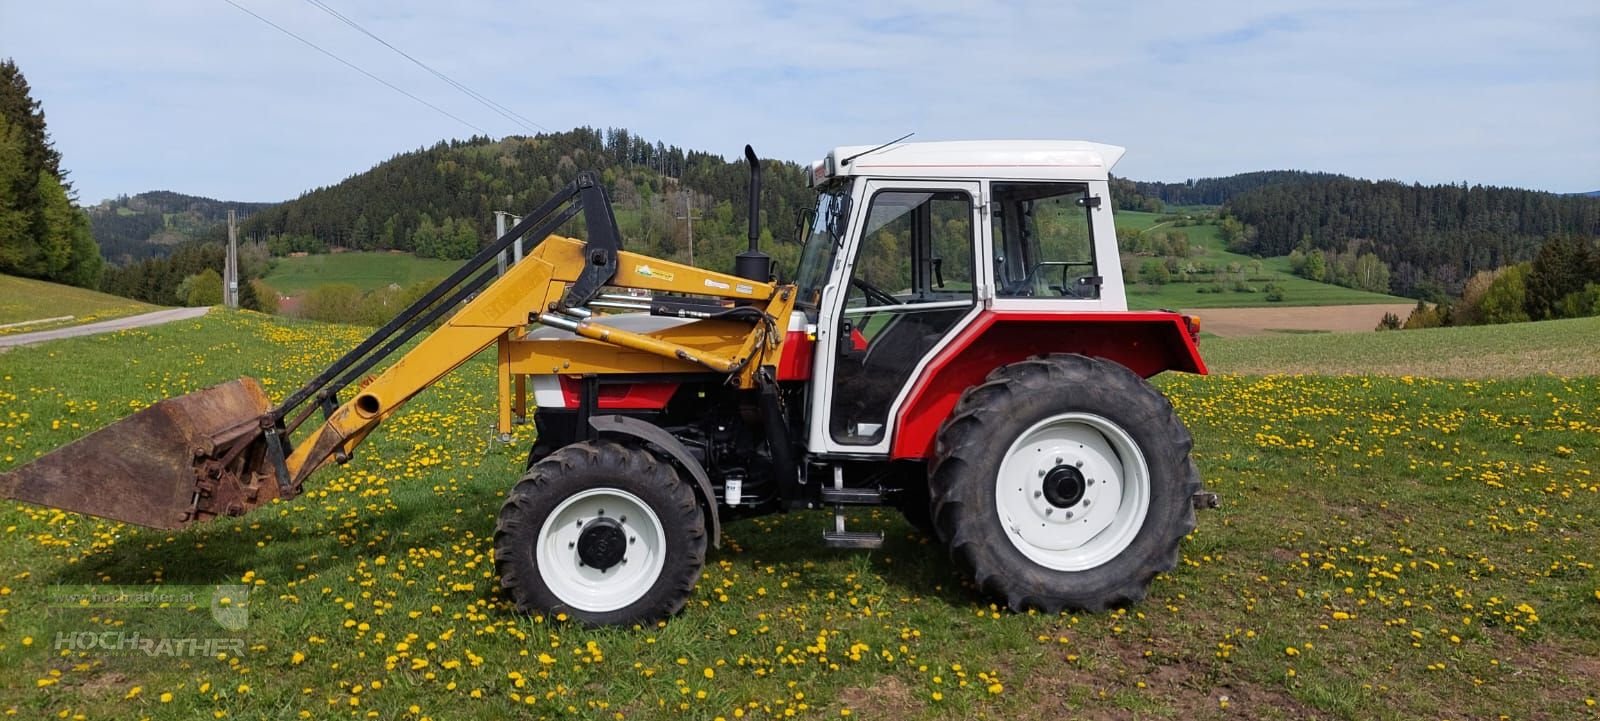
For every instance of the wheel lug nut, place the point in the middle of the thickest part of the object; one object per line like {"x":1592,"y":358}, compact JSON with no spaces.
{"x":1049,"y":511}
{"x":1058,"y":460}
{"x":1079,"y":463}
{"x":1069,"y":515}
{"x":1041,"y":473}
{"x":572,"y":544}
{"x":631,"y":540}
{"x":602,"y":511}
{"x":1086,"y":503}
{"x":1036,"y":494}
{"x":623,"y":519}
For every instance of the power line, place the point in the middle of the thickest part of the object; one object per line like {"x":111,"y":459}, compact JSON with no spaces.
{"x":354,"y":67}
{"x":504,"y":111}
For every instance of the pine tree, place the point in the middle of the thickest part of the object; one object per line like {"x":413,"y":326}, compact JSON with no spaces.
{"x":43,"y":234}
{"x":1561,"y":268}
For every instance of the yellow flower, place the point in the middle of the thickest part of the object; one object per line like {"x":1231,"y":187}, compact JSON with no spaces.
{"x":166,"y":697}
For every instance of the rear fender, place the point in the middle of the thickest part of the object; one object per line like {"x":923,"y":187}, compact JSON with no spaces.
{"x":653,"y":434}
{"x":1147,"y":343}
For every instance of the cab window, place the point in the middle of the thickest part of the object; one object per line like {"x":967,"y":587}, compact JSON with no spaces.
{"x":1043,"y":241}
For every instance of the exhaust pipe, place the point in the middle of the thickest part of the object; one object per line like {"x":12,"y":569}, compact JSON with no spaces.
{"x":754,"y":264}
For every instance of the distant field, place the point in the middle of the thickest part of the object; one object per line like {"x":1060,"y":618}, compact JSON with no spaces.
{"x":1183,"y":296}
{"x":22,"y":299}
{"x":1557,"y":347}
{"x":1266,"y":320}
{"x":367,"y":271}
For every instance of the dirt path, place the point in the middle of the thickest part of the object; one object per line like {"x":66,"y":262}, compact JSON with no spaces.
{"x":1236,"y":322}
{"x":105,"y":326}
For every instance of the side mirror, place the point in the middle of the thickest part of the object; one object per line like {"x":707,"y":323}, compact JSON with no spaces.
{"x":840,"y":221}
{"x":803,"y":224}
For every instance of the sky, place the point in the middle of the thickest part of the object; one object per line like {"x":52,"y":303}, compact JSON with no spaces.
{"x":199,"y":97}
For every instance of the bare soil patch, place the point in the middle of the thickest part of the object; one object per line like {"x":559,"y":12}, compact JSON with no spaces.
{"x":1238,"y":322}
{"x":889,"y":698}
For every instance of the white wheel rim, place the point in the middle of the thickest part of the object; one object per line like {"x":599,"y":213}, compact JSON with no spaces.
{"x":1106,"y":466}
{"x":586,"y":588}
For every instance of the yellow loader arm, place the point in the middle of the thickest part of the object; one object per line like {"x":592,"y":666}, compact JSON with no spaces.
{"x":529,"y":285}
{"x":224,"y":450}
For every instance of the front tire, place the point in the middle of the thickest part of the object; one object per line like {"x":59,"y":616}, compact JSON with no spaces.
{"x":603,"y":533}
{"x":1064,"y":482}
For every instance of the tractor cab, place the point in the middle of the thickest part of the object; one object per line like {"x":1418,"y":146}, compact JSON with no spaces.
{"x":912,"y":244}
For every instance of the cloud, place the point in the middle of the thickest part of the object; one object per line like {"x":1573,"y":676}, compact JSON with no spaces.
{"x":202,"y":98}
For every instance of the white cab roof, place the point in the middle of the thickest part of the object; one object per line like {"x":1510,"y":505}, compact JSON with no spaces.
{"x":1030,"y":159}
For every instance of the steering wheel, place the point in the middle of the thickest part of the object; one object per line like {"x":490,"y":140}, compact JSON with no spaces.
{"x":876,"y":294}
{"x":1066,"y":289}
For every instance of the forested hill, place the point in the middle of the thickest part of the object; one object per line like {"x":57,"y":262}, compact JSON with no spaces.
{"x":440,"y":201}
{"x":1216,"y":191}
{"x":131,"y":228}
{"x":1432,"y":237}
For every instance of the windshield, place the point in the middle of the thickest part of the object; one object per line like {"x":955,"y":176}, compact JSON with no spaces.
{"x":821,"y":244}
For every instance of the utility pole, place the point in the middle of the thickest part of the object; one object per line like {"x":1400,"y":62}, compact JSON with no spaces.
{"x":230,"y":268}
{"x":689,"y":214}
{"x":500,"y":232}
{"x":501,"y":223}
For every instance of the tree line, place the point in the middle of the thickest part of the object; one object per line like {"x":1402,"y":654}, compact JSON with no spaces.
{"x":132,"y":228}
{"x":191,"y":274}
{"x":440,"y":201}
{"x":43,"y":234}
{"x":1432,"y":238}
{"x":1562,"y":281}
{"x":1219,"y":190}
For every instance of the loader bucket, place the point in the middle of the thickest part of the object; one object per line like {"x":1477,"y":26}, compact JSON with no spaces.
{"x":179,"y":461}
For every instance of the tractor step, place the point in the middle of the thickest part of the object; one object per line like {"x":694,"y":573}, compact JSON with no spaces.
{"x":852,"y":496}
{"x":852,"y":539}
{"x":840,"y":497}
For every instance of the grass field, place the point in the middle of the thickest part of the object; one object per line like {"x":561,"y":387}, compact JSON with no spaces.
{"x":292,"y":276}
{"x":1389,"y":547}
{"x":1182,"y":296}
{"x":24,"y":299}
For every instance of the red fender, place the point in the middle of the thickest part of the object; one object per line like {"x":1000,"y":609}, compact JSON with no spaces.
{"x":1146,"y":342}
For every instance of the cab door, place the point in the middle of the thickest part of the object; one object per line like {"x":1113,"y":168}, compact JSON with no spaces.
{"x":908,"y":284}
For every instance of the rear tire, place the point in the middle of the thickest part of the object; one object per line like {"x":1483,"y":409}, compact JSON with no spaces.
{"x":603,"y":533}
{"x":1064,"y":482}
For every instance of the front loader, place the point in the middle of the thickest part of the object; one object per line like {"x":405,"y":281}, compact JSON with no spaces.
{"x":955,"y":343}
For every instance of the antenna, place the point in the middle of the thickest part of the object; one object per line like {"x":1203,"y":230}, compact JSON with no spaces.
{"x":846,"y":161}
